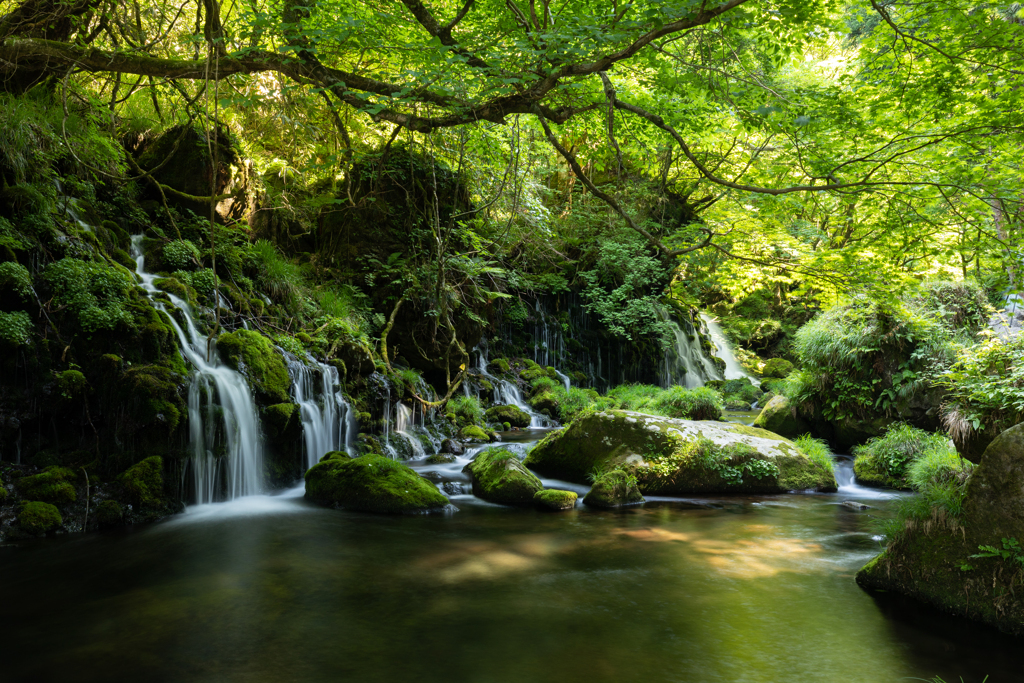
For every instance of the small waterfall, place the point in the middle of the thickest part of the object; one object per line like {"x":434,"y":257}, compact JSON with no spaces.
{"x":684,"y":362}
{"x":239,"y":472}
{"x":733,"y":369}
{"x":328,"y":421}
{"x":507,"y":393}
{"x":405,"y":423}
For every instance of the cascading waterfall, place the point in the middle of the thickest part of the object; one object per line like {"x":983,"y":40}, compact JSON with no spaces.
{"x":239,"y":471}
{"x":506,"y":392}
{"x":685,"y":362}
{"x":328,"y":421}
{"x":733,"y":369}
{"x":405,"y":422}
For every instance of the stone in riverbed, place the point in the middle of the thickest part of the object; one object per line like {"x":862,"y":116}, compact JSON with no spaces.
{"x":554,"y":499}
{"x":670,"y":456}
{"x":614,"y":489}
{"x":440,"y":459}
{"x":452,"y":446}
{"x":499,"y":477}
{"x":371,"y":483}
{"x":780,"y":416}
{"x":510,"y":414}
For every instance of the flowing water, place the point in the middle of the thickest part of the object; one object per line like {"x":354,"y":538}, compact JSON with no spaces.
{"x":328,"y":421}
{"x":733,"y":369}
{"x":221,"y":410}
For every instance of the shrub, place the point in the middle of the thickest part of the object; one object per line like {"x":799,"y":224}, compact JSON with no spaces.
{"x":467,"y":409}
{"x":817,"y":451}
{"x":955,"y":305}
{"x":92,"y":292}
{"x":702,"y":403}
{"x":15,"y":328}
{"x":633,"y":396}
{"x":15,"y":278}
{"x":204,"y":281}
{"x":884,"y":460}
{"x":180,"y":255}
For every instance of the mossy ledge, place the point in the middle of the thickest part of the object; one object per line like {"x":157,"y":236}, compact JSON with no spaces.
{"x":931,"y":560}
{"x":371,"y":483}
{"x":499,"y":477}
{"x":671,"y":457}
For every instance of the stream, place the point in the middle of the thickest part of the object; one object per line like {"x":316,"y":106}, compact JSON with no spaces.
{"x":271,"y":588}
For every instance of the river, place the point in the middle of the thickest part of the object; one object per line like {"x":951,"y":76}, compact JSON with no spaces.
{"x":271,"y":588}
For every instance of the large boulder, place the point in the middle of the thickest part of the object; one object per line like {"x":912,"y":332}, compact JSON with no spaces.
{"x":371,"y":483}
{"x":614,"y":489}
{"x":499,"y":477}
{"x":780,"y":416}
{"x":555,"y":499}
{"x":670,"y":456}
{"x":935,"y":559}
{"x":510,"y":414}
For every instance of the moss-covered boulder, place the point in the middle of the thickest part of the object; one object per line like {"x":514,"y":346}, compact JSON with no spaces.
{"x":555,"y":499}
{"x":776,"y":367}
{"x":440,"y":459}
{"x":510,"y":414}
{"x":781,"y":417}
{"x":254,"y":355}
{"x":371,"y":483}
{"x":499,"y":366}
{"x":670,"y":456}
{"x":930,"y":559}
{"x":614,"y":489}
{"x":53,"y":485}
{"x":499,"y":477}
{"x":38,"y":518}
{"x":474,"y":434}
{"x":109,"y":513}
{"x":143,"y":482}
{"x":545,"y":402}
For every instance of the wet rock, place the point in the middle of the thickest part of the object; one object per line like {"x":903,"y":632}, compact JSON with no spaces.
{"x":670,"y":456}
{"x":371,"y":483}
{"x":473,"y":434}
{"x":499,"y":477}
{"x":781,"y":417}
{"x":452,"y":446}
{"x":555,"y":499}
{"x":854,"y":505}
{"x":614,"y":489}
{"x":441,"y":459}
{"x":510,"y":414}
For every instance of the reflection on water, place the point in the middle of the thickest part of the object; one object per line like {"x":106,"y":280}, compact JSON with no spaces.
{"x":753,"y":589}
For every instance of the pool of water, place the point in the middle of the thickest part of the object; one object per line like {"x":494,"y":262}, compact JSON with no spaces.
{"x":270,"y":588}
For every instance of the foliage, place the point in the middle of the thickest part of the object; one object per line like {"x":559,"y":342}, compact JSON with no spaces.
{"x":817,"y":451}
{"x":15,"y":328}
{"x":901,"y":445}
{"x":180,"y":255}
{"x":467,"y":410}
{"x":37,"y":517}
{"x":1011,"y":550}
{"x":204,"y":281}
{"x":15,"y":278}
{"x":94,"y":293}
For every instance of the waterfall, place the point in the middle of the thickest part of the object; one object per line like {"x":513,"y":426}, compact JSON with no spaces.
{"x":328,"y":421}
{"x":733,"y":369}
{"x":405,"y":423}
{"x":239,"y":472}
{"x":684,"y":361}
{"x":506,"y":392}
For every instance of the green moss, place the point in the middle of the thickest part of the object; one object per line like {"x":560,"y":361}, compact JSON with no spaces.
{"x":440,"y":459}
{"x":52,"y":485}
{"x":173,"y":286}
{"x":499,"y":477}
{"x":554,"y":499}
{"x":776,"y":367}
{"x":277,"y":418}
{"x":532,"y":371}
{"x":252,"y":354}
{"x":614,"y":489}
{"x":500,"y":366}
{"x":473,"y":433}
{"x":371,"y":483}
{"x":510,"y":414}
{"x":144,"y":482}
{"x":72,"y":383}
{"x":780,"y":416}
{"x":38,"y":518}
{"x":546,"y":402}
{"x":109,"y":513}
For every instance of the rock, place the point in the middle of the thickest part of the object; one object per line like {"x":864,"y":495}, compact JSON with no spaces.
{"x":510,"y":414}
{"x":452,"y":446}
{"x":54,"y":484}
{"x":143,"y":482}
{"x":931,"y":560}
{"x":545,"y":402}
{"x":109,"y":513}
{"x":473,"y":434}
{"x":371,"y":483}
{"x":499,"y":366}
{"x":440,"y":459}
{"x":499,"y":477}
{"x":37,"y":518}
{"x":854,"y":505}
{"x":776,"y":367}
{"x":780,"y":416}
{"x":554,"y":499}
{"x":670,"y":456}
{"x":614,"y":489}
{"x":737,"y":404}
{"x":254,"y":355}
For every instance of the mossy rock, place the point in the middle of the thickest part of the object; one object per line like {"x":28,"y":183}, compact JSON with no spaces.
{"x":555,"y":499}
{"x":473,"y":433}
{"x":109,"y":513}
{"x":280,"y":418}
{"x":927,"y":559}
{"x":72,"y":384}
{"x":371,"y":483}
{"x":614,"y":489}
{"x":254,"y":355}
{"x":38,"y":518}
{"x":781,"y":417}
{"x":440,"y":459}
{"x":174,"y":286}
{"x":869,"y":471}
{"x":499,"y":477}
{"x":53,"y":485}
{"x":670,"y":456}
{"x":776,"y":367}
{"x":532,"y":371}
{"x":143,"y":482}
{"x":499,"y":366}
{"x":510,"y":414}
{"x":545,"y":402}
